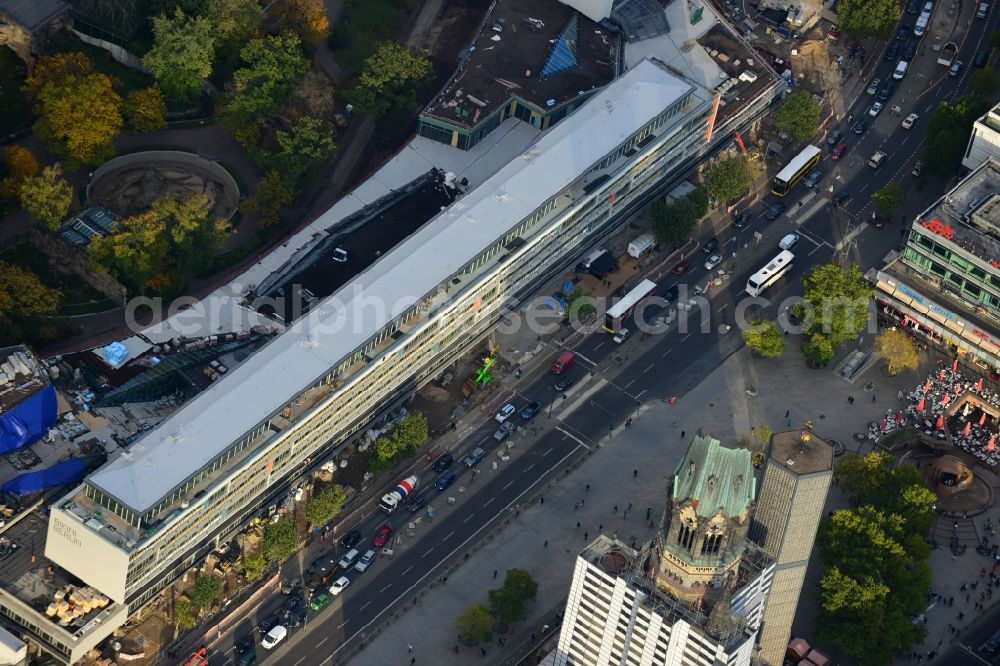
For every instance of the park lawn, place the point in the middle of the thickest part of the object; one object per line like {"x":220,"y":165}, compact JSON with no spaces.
{"x":14,"y":108}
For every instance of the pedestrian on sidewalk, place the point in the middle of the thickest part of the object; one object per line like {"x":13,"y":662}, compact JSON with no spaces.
{"x":616,"y":509}
{"x":541,"y":500}
{"x":682,"y":434}
{"x":635,"y":474}
{"x":587,"y":488}
{"x":546,"y":544}
{"x":413,"y":660}
{"x":495,"y":574}
{"x":482,"y":651}
{"x":850,"y":400}
{"x":600,"y":527}
{"x":578,"y":526}
{"x":409,"y":646}
{"x":873,"y":397}
{"x":585,"y":536}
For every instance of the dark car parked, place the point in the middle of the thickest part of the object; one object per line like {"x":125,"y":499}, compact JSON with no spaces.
{"x":910,"y":51}
{"x":886,"y":92}
{"x":443,"y":463}
{"x":841,"y":197}
{"x":860,"y":127}
{"x":892,"y":53}
{"x":531,"y":411}
{"x":980,"y":58}
{"x":710,"y":246}
{"x":670,"y":295}
{"x":268,"y":623}
{"x":834,"y":138}
{"x":903,"y":33}
{"x":913,"y":7}
{"x":352,"y":539}
{"x":564,"y":383}
{"x":417,"y":504}
{"x":742,"y":220}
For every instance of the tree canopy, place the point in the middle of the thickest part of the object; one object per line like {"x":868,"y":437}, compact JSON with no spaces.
{"x":763,"y":337}
{"x":306,"y":146}
{"x":47,"y":197}
{"x":948,"y":133}
{"x":271,"y":196}
{"x":875,"y":479}
{"x":475,"y":624}
{"x":234,"y":22}
{"x":897,"y":350}
{"x":729,"y":179}
{"x":146,"y":110}
{"x":798,"y":116}
{"x":79,"y":116}
{"x":834,"y":309}
{"x":173,"y":238}
{"x":888,"y":198}
{"x":403,"y":439}
{"x":280,"y":539}
{"x":868,"y":18}
{"x":389,"y":80}
{"x":19,"y":164}
{"x":674,"y":222}
{"x":54,"y":69}
{"x":182,"y":54}
{"x":23,"y":295}
{"x":254,"y":567}
{"x":185,"y":616}
{"x":305,"y":18}
{"x":324,"y":505}
{"x":271,"y":67}
{"x":508,"y":602}
{"x":984,"y":83}
{"x":207,"y":589}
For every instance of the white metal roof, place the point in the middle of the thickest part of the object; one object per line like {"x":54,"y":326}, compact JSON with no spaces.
{"x":220,"y":415}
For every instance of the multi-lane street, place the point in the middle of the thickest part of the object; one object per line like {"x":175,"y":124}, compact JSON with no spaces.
{"x":611,"y":383}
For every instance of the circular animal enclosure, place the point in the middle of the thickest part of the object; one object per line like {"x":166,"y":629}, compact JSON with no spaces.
{"x":128,"y":185}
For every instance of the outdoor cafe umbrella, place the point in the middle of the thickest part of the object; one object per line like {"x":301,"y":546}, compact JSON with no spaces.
{"x":954,"y":366}
{"x":966,"y":429}
{"x":982,"y":419}
{"x":979,"y":385}
{"x":940,"y":422}
{"x":958,"y":389}
{"x":940,"y":375}
{"x":899,"y":418}
{"x":992,"y":443}
{"x":920,"y":405}
{"x":927,"y":386}
{"x":945,"y":399}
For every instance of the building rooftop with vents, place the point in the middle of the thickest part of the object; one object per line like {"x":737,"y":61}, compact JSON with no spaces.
{"x":790,"y":450}
{"x":969,"y":215}
{"x":532,"y":60}
{"x":210,"y":423}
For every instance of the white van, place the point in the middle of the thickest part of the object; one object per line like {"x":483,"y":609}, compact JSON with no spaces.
{"x":349,"y":560}
{"x":273,"y":637}
{"x":900,"y":72}
{"x":983,"y":10}
{"x":875,"y":161}
{"x":921,"y":26}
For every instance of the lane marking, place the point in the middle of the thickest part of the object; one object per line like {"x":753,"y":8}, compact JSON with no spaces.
{"x":407,"y":592}
{"x":598,"y":346}
{"x":407,"y":569}
{"x":429,"y":551}
{"x":450,"y":534}
{"x":579,"y":355}
{"x":573,"y":437}
{"x":323,"y":641}
{"x":528,"y":469}
{"x":367,"y":604}
{"x":648,"y":368}
{"x":470,"y":517}
{"x":667,"y":352}
{"x":685,"y":337}
{"x":385,"y":588}
{"x":548,"y":452}
{"x":631,"y":381}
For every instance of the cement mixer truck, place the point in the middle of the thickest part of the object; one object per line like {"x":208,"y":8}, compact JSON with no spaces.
{"x":393,"y":500}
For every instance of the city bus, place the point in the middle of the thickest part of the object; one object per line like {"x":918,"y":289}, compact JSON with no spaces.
{"x":796,"y":169}
{"x":770,"y":274}
{"x":620,"y":311}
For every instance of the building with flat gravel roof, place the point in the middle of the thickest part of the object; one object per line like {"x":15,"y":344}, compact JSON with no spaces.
{"x":945,"y":284}
{"x":141,"y":520}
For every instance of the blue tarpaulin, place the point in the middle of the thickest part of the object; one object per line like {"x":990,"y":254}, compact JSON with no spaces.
{"x":28,"y":421}
{"x":67,"y":471}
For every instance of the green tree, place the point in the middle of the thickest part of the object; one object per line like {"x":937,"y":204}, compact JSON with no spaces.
{"x":234,"y":22}
{"x":581,"y":304}
{"x":389,"y":80}
{"x":272,"y":66}
{"x":280,"y":539}
{"x":195,"y":235}
{"x":888,"y":198}
{"x":761,"y":434}
{"x":876,"y":577}
{"x":947,"y":134}
{"x":23,"y":295}
{"x":55,"y":69}
{"x":271,"y":196}
{"x":697,"y":201}
{"x":764,"y":338}
{"x":403,"y":439}
{"x":146,"y":110}
{"x":897,"y":350}
{"x":79,"y":116}
{"x":475,"y":624}
{"x":876,"y":480}
{"x":305,"y":18}
{"x":672,"y":224}
{"x":509,"y":601}
{"x":818,"y":349}
{"x":254,"y":567}
{"x":868,"y":18}
{"x":729,"y":179}
{"x":207,"y":589}
{"x":798,"y":116}
{"x":184,"y":615}
{"x":325,"y":504}
{"x":136,"y":254}
{"x":984,"y":83}
{"x":47,"y":197}
{"x":182,"y":53}
{"x":19,"y":164}
{"x":308,"y":145}
{"x":835,"y":305}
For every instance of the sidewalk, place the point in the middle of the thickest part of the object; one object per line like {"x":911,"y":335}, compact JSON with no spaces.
{"x":654,"y":443}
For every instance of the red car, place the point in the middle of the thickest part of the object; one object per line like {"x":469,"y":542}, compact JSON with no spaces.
{"x":681,"y":268}
{"x":839,"y":151}
{"x":382,"y":536}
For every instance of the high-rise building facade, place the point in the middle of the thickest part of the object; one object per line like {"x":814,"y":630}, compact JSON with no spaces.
{"x":984,"y":143}
{"x":137,"y":523}
{"x":695,"y":595}
{"x":789,"y":508}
